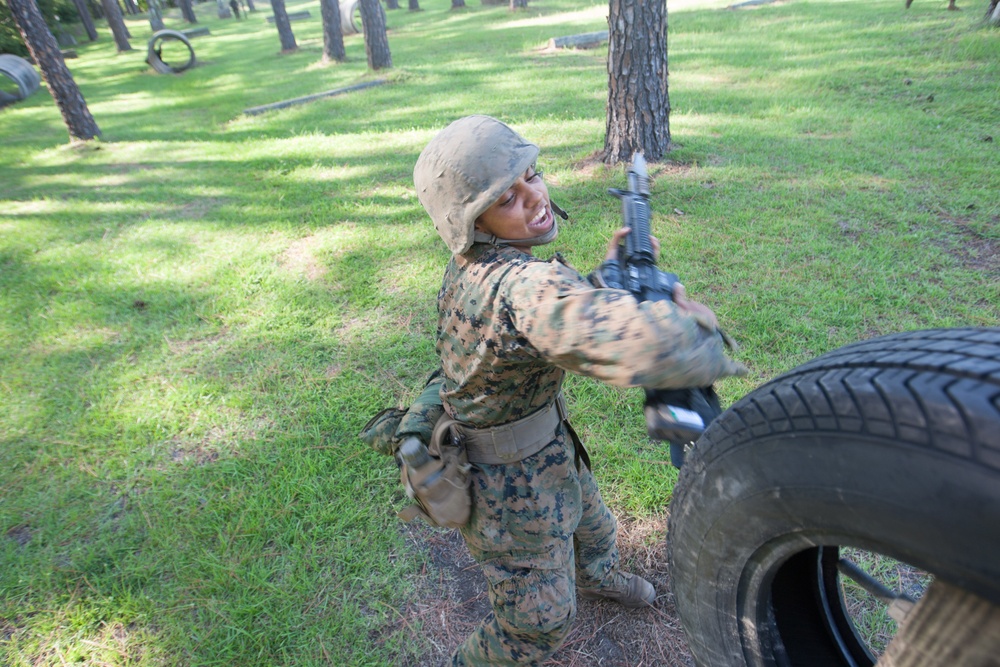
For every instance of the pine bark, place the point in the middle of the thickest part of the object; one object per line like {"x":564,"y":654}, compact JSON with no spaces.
{"x":155,"y":15}
{"x":458,"y":4}
{"x":187,"y":11}
{"x":113,"y":14}
{"x":284,"y":26}
{"x":993,"y":12}
{"x":123,"y":11}
{"x":518,"y":4}
{"x":250,"y":6}
{"x":131,"y":8}
{"x":86,"y":19}
{"x":45,"y":51}
{"x":333,"y":34}
{"x":392,"y":4}
{"x":638,"y":115}
{"x":376,"y":40}
{"x":414,"y":5}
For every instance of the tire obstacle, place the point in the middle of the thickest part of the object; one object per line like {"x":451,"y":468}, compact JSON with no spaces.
{"x":155,"y":49}
{"x":350,"y":24}
{"x":25,"y":77}
{"x":886,"y":446}
{"x":350,"y":17}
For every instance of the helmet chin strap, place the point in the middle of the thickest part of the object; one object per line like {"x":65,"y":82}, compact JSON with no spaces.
{"x":547,"y":237}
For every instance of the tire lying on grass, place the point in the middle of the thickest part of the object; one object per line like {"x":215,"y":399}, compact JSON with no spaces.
{"x":890,"y":445}
{"x":154,"y":53}
{"x":21,"y":73}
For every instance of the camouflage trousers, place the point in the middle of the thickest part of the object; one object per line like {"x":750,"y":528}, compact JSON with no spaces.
{"x":538,"y":529}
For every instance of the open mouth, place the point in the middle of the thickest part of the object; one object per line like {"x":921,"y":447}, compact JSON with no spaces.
{"x":542,"y":221}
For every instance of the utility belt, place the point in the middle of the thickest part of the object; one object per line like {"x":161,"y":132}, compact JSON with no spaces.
{"x":517,"y":440}
{"x":441,"y":484}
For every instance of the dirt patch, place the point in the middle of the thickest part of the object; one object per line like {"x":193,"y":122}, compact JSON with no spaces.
{"x":218,"y":441}
{"x":196,"y":209}
{"x":451,"y":601}
{"x":591,"y":164}
{"x":976,"y":250}
{"x":299,"y":258}
{"x":10,"y":627}
{"x":20,"y":534}
{"x":594,"y":163}
{"x":191,"y":345}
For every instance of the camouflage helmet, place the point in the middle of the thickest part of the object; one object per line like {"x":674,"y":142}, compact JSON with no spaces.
{"x":464,"y":170}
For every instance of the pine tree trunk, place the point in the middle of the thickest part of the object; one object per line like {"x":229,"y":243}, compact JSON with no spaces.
{"x":993,"y":13}
{"x":223,"y":9}
{"x":187,"y":11}
{"x":155,"y":15}
{"x":250,"y":6}
{"x":131,"y":8}
{"x":392,"y":4}
{"x":96,"y":9}
{"x":458,"y":4}
{"x":638,"y":117}
{"x":284,"y":26}
{"x":116,"y":22}
{"x":86,"y":19}
{"x":518,"y":4}
{"x":414,"y":6}
{"x":45,"y":51}
{"x":122,"y":11}
{"x":333,"y":36}
{"x":376,"y":40}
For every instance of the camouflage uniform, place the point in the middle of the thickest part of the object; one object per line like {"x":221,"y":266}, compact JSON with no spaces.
{"x":510,"y":326}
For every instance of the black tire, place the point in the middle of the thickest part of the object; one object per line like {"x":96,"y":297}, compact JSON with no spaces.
{"x":891,"y":445}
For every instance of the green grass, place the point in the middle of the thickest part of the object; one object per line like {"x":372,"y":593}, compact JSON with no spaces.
{"x":869,"y":614}
{"x":198,"y":313}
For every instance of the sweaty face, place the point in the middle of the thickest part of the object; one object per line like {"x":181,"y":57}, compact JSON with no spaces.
{"x":522,"y":212}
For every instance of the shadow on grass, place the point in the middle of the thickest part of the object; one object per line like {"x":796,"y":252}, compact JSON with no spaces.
{"x":201,"y":311}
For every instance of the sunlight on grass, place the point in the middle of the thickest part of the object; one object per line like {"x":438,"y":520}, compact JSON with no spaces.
{"x":598,"y":15}
{"x":199,"y":312}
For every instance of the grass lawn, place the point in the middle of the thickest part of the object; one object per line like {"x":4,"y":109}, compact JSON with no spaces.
{"x":199,"y":312}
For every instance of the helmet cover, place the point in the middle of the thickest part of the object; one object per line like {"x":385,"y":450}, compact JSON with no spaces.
{"x":464,"y":170}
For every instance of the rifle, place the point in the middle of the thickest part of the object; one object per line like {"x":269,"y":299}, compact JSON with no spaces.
{"x":676,"y":416}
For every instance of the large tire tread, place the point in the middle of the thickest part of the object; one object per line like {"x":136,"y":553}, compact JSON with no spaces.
{"x":890,"y":445}
{"x":938,"y":389}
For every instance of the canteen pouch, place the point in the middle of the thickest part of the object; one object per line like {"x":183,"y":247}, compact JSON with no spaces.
{"x":441,"y":488}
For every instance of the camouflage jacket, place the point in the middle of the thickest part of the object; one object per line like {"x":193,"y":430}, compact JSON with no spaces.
{"x":510,"y":325}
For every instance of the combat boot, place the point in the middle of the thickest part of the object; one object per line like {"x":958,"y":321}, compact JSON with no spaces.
{"x":629,"y":590}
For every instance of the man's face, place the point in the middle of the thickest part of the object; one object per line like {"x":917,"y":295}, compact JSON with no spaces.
{"x":522,"y":212}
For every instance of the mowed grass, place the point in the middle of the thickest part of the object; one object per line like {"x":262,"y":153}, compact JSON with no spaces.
{"x":199,"y":312}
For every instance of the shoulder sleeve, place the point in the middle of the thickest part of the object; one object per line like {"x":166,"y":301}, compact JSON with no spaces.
{"x":607,"y":334}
